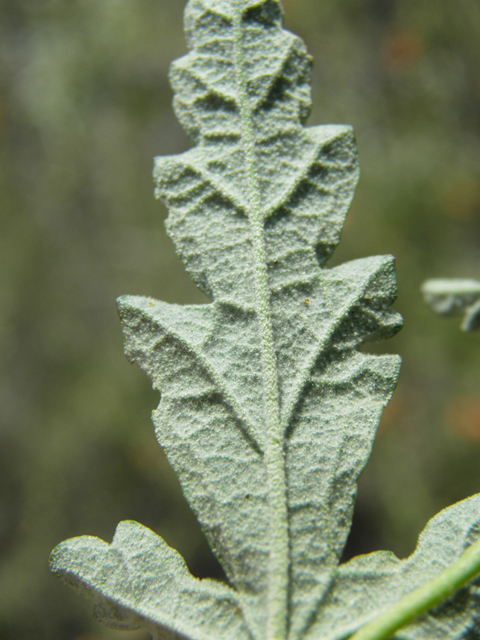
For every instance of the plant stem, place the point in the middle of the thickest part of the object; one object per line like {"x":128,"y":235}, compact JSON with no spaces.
{"x":419,"y":601}
{"x":278,"y":576}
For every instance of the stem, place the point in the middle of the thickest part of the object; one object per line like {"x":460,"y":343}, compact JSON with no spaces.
{"x":419,"y":601}
{"x":279,"y":558}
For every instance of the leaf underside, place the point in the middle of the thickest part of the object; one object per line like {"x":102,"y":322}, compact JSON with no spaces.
{"x":266,"y":398}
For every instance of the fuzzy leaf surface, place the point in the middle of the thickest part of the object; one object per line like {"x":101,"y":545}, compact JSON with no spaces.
{"x":367,"y":585}
{"x":139,"y":581}
{"x":268,"y":406}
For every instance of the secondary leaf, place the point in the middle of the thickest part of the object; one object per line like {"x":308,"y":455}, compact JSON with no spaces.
{"x":451,"y":297}
{"x":268,"y":407}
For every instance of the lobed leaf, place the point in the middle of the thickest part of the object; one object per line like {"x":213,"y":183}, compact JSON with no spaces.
{"x":367,"y":585}
{"x":268,"y":407}
{"x":205,"y":360}
{"x":139,"y":581}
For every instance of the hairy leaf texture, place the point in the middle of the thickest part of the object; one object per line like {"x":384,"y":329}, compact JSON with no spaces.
{"x":268,"y":406}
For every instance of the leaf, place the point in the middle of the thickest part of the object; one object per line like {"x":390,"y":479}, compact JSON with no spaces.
{"x":222,"y":468}
{"x":268,"y":407}
{"x":369,"y":584}
{"x":453,"y":297}
{"x":139,"y":581}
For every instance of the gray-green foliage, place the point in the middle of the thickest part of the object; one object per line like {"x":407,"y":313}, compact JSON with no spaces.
{"x":268,"y":407}
{"x":452,"y":297}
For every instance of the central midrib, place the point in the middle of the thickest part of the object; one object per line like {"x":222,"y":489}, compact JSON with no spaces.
{"x":278,"y":568}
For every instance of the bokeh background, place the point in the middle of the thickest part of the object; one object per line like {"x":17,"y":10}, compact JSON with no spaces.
{"x":85,"y":104}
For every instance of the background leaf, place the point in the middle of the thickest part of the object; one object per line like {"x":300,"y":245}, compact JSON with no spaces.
{"x":454,"y":297}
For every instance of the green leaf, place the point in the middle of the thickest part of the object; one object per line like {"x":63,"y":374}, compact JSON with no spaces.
{"x":452,"y":297}
{"x":268,"y":406}
{"x":139,"y":581}
{"x":369,"y":585}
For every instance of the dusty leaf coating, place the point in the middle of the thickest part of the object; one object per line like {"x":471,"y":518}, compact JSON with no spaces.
{"x":268,"y":408}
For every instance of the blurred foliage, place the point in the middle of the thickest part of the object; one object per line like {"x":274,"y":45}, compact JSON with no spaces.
{"x":84,"y":107}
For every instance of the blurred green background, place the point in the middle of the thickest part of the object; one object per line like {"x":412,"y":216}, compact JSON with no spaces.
{"x":84,"y":106}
